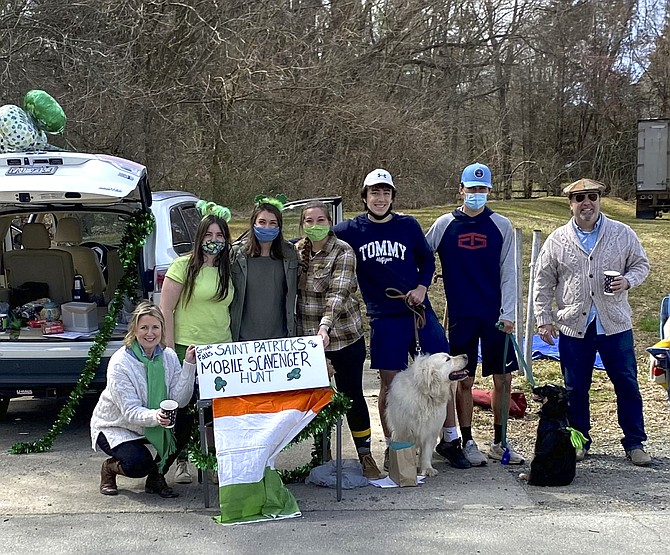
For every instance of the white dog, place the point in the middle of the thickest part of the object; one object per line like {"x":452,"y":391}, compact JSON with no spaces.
{"x":417,"y":399}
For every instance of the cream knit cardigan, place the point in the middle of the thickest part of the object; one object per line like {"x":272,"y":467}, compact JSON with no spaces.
{"x":566,"y":272}
{"x":122,"y":413}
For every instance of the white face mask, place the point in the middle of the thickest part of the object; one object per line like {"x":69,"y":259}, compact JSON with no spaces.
{"x":474,"y":201}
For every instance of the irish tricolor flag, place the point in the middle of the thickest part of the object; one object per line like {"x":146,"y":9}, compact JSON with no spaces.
{"x":249,"y":433}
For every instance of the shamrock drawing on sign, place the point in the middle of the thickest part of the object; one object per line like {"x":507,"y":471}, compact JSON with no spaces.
{"x":220,"y":384}
{"x":293,"y":374}
{"x":312,"y":344}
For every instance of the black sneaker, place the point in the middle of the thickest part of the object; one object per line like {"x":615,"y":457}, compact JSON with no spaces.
{"x":452,"y":452}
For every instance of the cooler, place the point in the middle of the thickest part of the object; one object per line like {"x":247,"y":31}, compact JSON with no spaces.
{"x":79,"y":317}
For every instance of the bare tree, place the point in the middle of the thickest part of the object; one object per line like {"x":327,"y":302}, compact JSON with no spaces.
{"x":230,"y":99}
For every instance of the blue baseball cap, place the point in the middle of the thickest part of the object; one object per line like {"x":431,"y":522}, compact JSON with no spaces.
{"x":476,"y":175}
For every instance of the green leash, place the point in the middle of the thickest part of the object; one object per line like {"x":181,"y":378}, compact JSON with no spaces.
{"x":529,"y":376}
{"x":505,"y":408}
{"x":527,"y":372}
{"x":577,"y":438}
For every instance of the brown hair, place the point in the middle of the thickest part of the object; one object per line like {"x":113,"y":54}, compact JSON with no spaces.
{"x":252,"y":247}
{"x":304,"y":246}
{"x":145,"y":308}
{"x":222,"y":260}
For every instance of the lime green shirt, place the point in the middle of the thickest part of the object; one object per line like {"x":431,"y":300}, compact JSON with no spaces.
{"x":203,"y":320}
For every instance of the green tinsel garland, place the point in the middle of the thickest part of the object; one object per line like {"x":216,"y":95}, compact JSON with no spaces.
{"x":324,"y":420}
{"x":138,"y":227}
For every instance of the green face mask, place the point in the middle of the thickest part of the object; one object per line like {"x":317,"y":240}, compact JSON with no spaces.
{"x":317,"y":232}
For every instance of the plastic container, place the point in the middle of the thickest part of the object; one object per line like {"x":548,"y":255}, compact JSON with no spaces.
{"x":79,"y":317}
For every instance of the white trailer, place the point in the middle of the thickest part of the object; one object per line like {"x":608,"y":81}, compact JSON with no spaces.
{"x":653,"y":161}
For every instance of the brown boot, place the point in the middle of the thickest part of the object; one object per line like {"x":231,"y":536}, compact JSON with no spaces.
{"x":156,"y":484}
{"x":370,"y":468}
{"x":110,"y":468}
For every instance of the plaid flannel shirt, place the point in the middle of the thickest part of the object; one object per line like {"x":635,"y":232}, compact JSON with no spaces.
{"x":328,"y":296}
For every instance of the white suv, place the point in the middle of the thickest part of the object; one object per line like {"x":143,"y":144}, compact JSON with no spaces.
{"x":59,"y":202}
{"x":55,"y":203}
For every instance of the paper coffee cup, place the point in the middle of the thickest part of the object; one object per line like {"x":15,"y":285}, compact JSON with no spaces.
{"x":169,"y":409}
{"x":609,"y":277}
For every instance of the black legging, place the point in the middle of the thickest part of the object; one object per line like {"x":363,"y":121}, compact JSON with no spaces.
{"x":348,"y":364}
{"x":136,"y":459}
{"x":186,"y":414}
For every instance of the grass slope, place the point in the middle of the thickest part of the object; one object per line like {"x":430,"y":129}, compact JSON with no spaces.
{"x":545,"y":215}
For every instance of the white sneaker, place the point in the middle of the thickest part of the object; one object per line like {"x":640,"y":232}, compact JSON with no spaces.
{"x":181,"y":473}
{"x":473,"y":454}
{"x":496,"y":452}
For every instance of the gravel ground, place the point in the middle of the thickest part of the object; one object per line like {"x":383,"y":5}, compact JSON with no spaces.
{"x":605,"y":478}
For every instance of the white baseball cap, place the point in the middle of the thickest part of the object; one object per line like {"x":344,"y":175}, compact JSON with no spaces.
{"x":378,"y":177}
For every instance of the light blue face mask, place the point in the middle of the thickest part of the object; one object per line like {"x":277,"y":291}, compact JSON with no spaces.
{"x":265,"y":234}
{"x":475,"y":201}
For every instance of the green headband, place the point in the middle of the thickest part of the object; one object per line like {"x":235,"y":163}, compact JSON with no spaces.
{"x":277,"y":201}
{"x":207,"y":208}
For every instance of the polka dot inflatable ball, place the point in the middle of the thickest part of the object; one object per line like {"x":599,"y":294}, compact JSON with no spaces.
{"x":18,"y":131}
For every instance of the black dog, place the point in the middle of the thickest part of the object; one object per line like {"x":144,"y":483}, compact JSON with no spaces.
{"x":555,"y":462}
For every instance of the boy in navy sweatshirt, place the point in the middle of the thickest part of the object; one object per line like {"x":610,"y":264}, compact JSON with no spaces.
{"x":475,"y":246}
{"x":391,"y":251}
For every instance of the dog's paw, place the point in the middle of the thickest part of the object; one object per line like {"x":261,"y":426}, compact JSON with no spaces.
{"x":523,"y":476}
{"x":430,"y":471}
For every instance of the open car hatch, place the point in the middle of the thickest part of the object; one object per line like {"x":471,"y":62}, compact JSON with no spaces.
{"x":71,"y":178}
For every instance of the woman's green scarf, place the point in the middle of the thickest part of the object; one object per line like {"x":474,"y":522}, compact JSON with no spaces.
{"x":161,"y":438}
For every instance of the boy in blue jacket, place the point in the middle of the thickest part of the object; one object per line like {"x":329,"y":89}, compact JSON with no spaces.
{"x":475,"y":246}
{"x":391,"y":251}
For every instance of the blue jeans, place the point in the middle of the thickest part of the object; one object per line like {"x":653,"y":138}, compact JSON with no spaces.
{"x":618,"y":356}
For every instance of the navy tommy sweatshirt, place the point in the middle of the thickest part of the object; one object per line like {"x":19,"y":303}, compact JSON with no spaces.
{"x":391,"y":254}
{"x":478,"y":269}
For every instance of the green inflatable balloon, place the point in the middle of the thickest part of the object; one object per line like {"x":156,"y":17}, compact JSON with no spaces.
{"x":46,"y":112}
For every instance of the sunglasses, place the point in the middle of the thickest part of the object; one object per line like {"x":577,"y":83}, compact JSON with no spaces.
{"x":579,"y":197}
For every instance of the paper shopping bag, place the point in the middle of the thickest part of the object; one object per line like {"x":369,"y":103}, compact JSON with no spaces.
{"x":402,"y":463}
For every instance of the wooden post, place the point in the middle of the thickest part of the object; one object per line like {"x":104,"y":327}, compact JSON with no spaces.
{"x":518,"y":261}
{"x":530,"y":316}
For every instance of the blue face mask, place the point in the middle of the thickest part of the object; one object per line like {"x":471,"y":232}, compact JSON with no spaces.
{"x":474,"y":201}
{"x":266,"y":234}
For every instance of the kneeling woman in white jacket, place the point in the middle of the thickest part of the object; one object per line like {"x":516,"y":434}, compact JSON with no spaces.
{"x":140,"y":375}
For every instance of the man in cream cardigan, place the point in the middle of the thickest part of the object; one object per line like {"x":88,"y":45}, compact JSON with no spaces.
{"x":570,"y":269}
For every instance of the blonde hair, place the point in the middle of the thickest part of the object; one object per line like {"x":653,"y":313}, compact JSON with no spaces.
{"x":145,"y":308}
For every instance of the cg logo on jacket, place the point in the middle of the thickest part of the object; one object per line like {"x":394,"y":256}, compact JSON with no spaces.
{"x":472,"y":241}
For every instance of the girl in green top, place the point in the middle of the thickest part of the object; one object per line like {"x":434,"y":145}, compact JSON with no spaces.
{"x":196,"y":295}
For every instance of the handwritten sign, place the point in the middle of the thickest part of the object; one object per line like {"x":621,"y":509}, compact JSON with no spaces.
{"x":264,"y":366}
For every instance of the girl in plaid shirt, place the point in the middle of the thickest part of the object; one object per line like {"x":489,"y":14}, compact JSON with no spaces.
{"x":328,"y":306}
